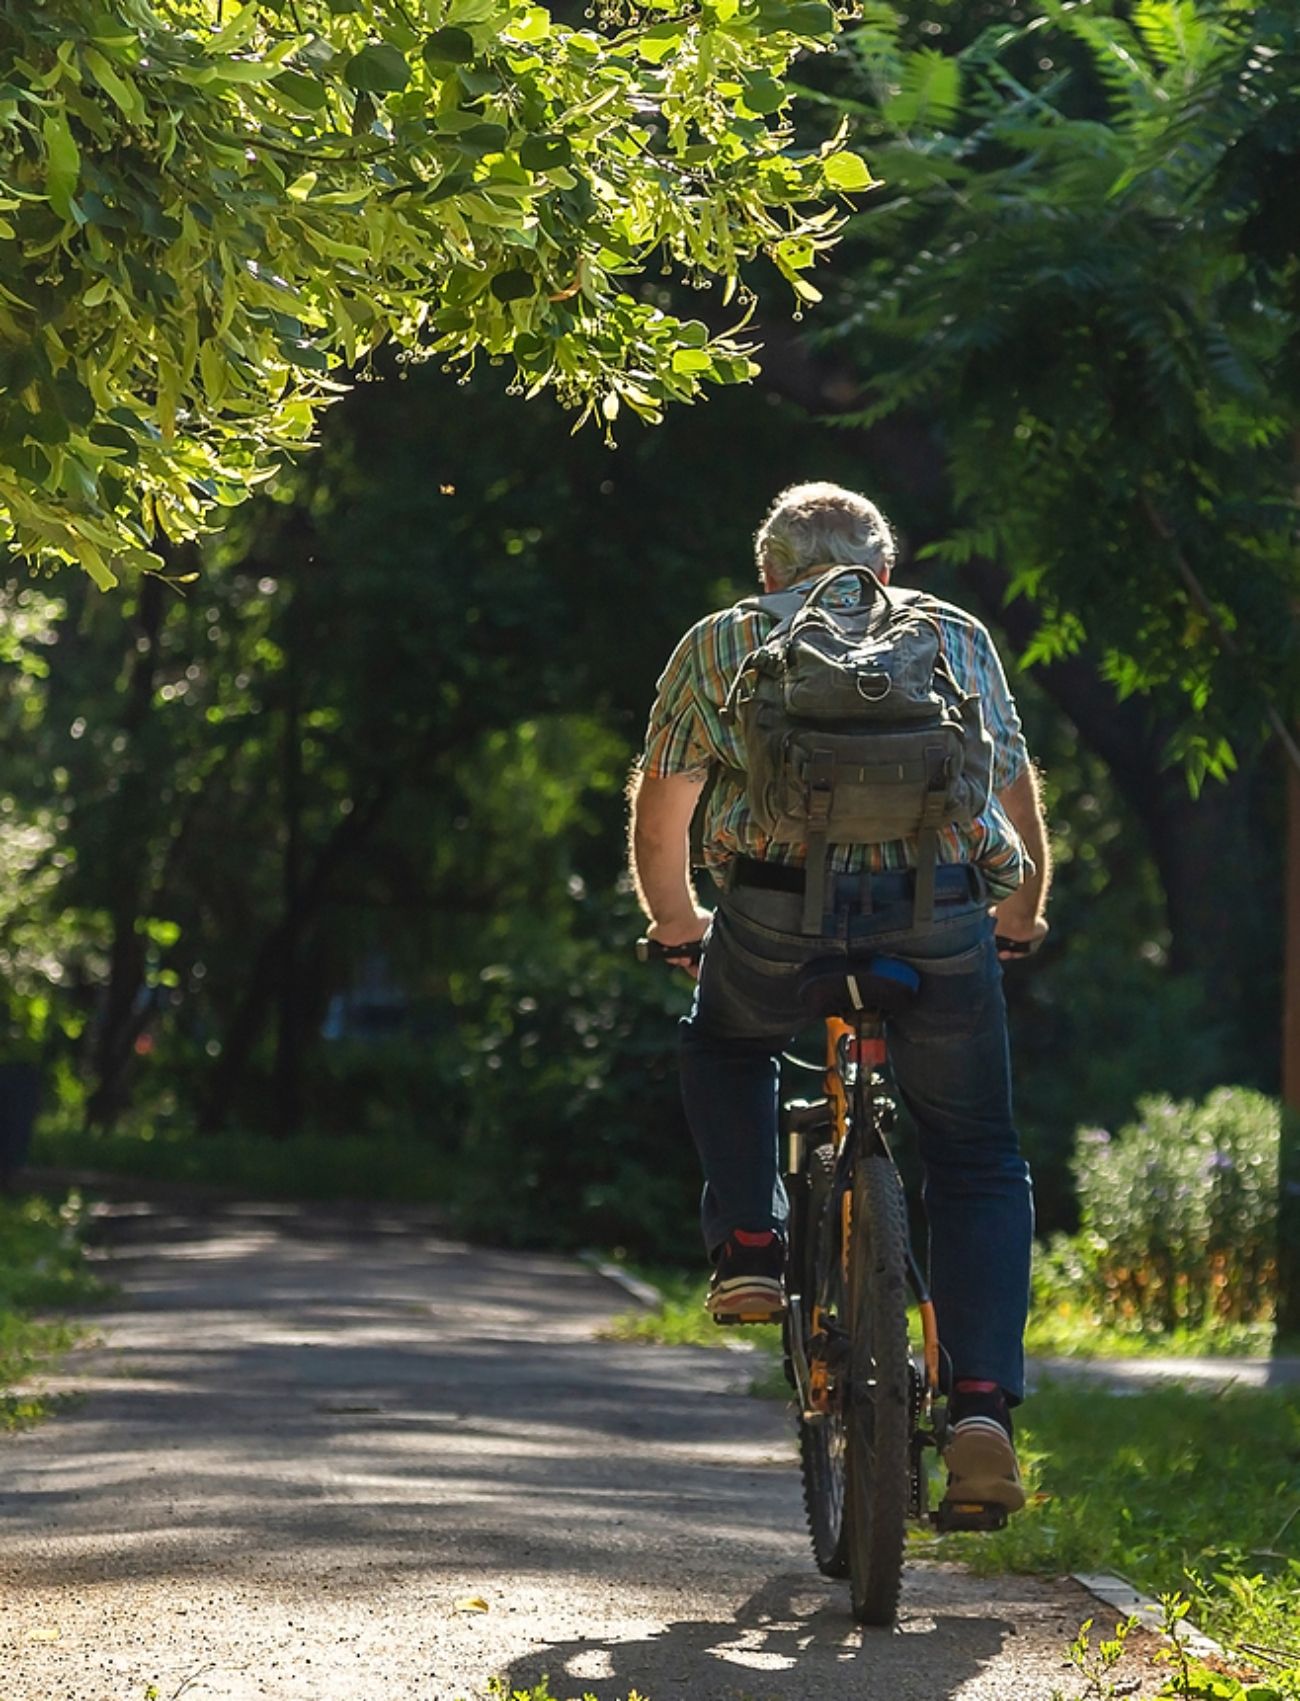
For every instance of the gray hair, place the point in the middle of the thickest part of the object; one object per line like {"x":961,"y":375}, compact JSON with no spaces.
{"x":814,"y":525}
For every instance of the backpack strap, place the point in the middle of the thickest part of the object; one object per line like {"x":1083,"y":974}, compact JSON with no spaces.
{"x":821,"y":788}
{"x":781,"y":605}
{"x":927,"y":840}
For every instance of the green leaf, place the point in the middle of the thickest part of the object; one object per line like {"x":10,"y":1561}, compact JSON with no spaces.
{"x":377,"y":69}
{"x":514,"y":286}
{"x":930,"y":92}
{"x":454,"y":183}
{"x":657,"y":43}
{"x":75,"y":400}
{"x":303,"y":92}
{"x":30,"y":463}
{"x":763,"y":94}
{"x":692,"y":360}
{"x":482,"y":139}
{"x":306,"y":355}
{"x":105,"y":436}
{"x":531,"y":351}
{"x":545,"y":153}
{"x":803,"y":17}
{"x":450,"y":46}
{"x":63,"y":163}
{"x":847,"y":172}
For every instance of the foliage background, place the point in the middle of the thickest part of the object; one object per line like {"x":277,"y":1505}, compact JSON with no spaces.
{"x":324,"y":845}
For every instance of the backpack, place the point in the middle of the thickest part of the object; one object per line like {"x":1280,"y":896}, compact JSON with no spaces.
{"x":856,"y":732}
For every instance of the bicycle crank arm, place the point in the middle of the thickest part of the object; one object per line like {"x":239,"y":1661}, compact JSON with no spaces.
{"x":799,"y":1359}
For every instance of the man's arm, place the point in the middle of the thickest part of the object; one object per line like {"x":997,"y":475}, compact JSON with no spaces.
{"x":1021,"y":916}
{"x":659,"y":855}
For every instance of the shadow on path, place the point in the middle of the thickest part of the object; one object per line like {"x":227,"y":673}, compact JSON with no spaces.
{"x":792,"y":1638}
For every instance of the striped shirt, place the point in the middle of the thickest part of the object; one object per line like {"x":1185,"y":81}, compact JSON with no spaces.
{"x":686,"y":735}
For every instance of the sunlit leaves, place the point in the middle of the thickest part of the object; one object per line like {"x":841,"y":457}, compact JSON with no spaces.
{"x":211,"y":212}
{"x":1082,"y":273}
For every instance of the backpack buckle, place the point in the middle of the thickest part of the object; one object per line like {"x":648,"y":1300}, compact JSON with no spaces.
{"x":875,"y":686}
{"x":821,"y":785}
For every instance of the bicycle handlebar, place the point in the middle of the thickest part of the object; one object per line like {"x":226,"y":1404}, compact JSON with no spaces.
{"x":651,"y":951}
{"x":1016,"y":947}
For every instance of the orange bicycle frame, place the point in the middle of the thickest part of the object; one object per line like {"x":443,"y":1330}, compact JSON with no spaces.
{"x":868,"y":1052}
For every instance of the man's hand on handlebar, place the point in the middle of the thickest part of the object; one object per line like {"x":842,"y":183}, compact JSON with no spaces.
{"x":1013,"y":941}
{"x":677,"y":942}
{"x":675,"y":956}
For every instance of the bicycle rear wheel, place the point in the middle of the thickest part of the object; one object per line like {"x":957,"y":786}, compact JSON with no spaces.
{"x":878,"y":1398}
{"x":822,"y":1440}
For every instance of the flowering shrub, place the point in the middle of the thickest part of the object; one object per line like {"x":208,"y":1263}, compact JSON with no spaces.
{"x":1179,"y":1210}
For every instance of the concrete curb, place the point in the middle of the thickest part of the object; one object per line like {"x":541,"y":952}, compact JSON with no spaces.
{"x":642,"y":1292}
{"x":1120,"y":1595}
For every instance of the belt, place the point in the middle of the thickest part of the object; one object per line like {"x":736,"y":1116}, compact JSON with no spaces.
{"x":954,"y":882}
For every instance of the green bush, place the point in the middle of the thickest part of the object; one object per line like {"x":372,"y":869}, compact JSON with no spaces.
{"x":574,"y":1134}
{"x":1179,"y":1211}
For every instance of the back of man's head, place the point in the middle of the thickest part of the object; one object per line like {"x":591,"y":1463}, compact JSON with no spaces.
{"x":822,"y":525}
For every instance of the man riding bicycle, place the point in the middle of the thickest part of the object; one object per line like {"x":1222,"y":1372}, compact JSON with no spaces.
{"x":948,"y":1048}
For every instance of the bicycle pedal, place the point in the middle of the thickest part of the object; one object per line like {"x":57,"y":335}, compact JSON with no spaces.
{"x":952,"y":1515}
{"x":730,"y":1319}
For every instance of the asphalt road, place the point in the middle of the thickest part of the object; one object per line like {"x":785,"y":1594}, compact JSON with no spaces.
{"x":310,"y":1449}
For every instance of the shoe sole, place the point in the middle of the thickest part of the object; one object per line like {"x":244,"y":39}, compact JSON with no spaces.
{"x":747,"y":1299}
{"x":982,"y":1470}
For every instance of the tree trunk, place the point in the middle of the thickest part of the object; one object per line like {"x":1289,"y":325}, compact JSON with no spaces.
{"x":288,"y":1048}
{"x":266,"y":978}
{"x":123,"y":1013}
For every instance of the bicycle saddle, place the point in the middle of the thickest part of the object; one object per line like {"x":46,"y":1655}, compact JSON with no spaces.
{"x":836,"y":986}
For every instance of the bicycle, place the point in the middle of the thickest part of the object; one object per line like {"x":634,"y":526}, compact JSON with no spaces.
{"x":866,"y":1377}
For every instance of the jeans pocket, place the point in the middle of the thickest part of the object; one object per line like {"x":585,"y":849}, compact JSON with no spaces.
{"x":961,"y":963}
{"x":761,"y":949}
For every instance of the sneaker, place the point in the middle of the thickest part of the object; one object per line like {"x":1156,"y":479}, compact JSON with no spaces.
{"x":748,"y":1279}
{"x":980,"y":1455}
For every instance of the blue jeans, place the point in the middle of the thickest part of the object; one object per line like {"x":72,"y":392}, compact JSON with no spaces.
{"x":952,"y":1066}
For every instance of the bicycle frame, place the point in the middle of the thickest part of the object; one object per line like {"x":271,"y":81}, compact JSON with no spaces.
{"x":855,"y":1052}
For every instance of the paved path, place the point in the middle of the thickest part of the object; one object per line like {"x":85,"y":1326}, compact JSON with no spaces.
{"x":1130,"y":1375}
{"x":306,"y":1442}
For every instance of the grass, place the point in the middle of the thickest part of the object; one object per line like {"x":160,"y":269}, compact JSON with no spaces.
{"x":41,"y":1267}
{"x":1175,"y":1489}
{"x":680,"y":1319}
{"x":306,"y":1166}
{"x":1068,"y":1327}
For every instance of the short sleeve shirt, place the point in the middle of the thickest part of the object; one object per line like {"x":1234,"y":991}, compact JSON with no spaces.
{"x":686,"y":735}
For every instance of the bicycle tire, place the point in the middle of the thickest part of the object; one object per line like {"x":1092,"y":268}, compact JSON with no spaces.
{"x":823,"y":1441}
{"x":879,"y":1393}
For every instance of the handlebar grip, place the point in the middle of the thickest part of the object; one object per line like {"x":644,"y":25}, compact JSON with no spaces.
{"x":1016,"y":947}
{"x":651,"y":951}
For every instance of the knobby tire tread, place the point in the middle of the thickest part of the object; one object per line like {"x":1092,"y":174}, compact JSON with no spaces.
{"x":879,"y":1463}
{"x":821,"y":1445}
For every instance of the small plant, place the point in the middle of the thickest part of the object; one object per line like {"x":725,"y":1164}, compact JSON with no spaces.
{"x":499,"y":1690}
{"x":1097,"y":1665}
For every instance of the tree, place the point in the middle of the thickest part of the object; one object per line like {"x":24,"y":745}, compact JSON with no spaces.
{"x":1071,"y":275}
{"x":209,"y":217}
{"x":1081,"y":294}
